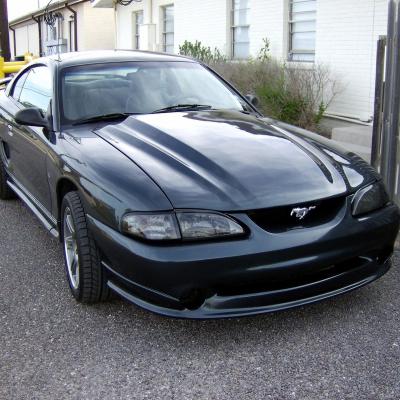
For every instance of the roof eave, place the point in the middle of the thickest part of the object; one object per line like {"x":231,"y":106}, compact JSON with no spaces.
{"x":41,"y":11}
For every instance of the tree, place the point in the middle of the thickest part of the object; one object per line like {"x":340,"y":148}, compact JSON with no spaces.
{"x":4,"y":36}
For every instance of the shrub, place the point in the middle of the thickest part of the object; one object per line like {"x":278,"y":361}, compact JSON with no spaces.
{"x":264,"y":53}
{"x":201,"y":53}
{"x":292,"y":93}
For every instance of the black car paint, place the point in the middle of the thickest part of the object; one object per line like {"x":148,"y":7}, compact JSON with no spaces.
{"x":226,"y":160}
{"x":216,"y":160}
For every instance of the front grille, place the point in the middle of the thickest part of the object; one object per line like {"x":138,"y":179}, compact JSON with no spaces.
{"x":281,"y":219}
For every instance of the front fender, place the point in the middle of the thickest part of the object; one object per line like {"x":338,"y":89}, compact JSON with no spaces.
{"x":109,"y":183}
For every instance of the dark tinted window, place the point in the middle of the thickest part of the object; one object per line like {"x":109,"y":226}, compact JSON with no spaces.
{"x":140,"y":88}
{"x":37,"y":89}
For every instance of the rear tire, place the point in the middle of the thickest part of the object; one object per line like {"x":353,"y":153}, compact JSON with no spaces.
{"x":6,"y":192}
{"x":85,"y":274}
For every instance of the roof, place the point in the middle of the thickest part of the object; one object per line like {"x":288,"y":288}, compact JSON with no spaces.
{"x":55,"y":5}
{"x":104,"y":56}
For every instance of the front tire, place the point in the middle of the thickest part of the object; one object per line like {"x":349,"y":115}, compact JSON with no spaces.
{"x":6,"y":192}
{"x":84,"y":271}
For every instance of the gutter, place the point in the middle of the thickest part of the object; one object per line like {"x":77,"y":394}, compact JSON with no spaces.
{"x":41,"y":12}
{"x":14,"y":41}
{"x":37,"y":20}
{"x":68,"y":7}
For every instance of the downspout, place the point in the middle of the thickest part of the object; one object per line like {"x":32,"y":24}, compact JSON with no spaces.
{"x":115,"y":27}
{"x":153,"y":43}
{"x":75,"y":25}
{"x":37,"y":20}
{"x":15,"y":41}
{"x":151,"y":11}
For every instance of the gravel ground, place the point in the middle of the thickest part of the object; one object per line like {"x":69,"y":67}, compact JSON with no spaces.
{"x":54,"y":348}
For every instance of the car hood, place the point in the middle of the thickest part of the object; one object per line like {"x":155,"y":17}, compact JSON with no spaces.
{"x":227,"y":160}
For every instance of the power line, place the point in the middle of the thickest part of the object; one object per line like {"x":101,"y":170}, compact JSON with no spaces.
{"x":127,"y":2}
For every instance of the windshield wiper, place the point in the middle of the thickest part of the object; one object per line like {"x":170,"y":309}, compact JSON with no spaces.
{"x":183,"y":107}
{"x":104,"y":117}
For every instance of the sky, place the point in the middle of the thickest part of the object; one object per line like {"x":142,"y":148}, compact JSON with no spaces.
{"x":16,"y":8}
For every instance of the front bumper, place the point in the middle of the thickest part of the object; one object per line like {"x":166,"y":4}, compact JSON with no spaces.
{"x":262,"y":273}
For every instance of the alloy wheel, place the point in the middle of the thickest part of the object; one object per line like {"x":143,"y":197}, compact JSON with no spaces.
{"x":71,"y":249}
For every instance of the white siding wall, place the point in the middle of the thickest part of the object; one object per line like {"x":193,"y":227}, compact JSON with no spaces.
{"x":207,"y":21}
{"x":97,"y":28}
{"x":268,"y":19}
{"x":347,"y":32}
{"x":90,"y":36}
{"x":125,"y":23}
{"x":152,"y":16}
{"x":27,"y":39}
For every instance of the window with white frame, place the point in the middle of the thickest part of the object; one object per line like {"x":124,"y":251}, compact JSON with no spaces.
{"x":302,"y":30}
{"x":137,"y":21}
{"x":168,"y":29}
{"x":240,"y":29}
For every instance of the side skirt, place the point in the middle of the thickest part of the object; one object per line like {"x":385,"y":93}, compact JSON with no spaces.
{"x":53,"y":231}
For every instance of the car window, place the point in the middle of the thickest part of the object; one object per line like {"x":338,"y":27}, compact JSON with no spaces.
{"x":37,"y":89}
{"x":19,"y":85}
{"x":140,"y":88}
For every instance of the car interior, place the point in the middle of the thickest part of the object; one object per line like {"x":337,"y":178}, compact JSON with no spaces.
{"x":138,"y":92}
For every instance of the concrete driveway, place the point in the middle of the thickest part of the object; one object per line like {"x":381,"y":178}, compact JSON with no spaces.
{"x":54,"y":348}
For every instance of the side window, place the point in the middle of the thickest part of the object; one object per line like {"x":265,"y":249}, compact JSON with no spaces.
{"x":18,"y":86}
{"x":37,"y":89}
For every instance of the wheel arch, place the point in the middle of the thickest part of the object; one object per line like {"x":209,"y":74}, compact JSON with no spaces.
{"x":64,"y":186}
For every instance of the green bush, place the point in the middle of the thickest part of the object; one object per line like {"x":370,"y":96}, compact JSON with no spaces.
{"x":264,"y":53}
{"x":201,"y":53}
{"x":290,"y":92}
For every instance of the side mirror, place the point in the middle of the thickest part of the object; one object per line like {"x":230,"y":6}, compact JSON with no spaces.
{"x":253,"y":100}
{"x":32,"y":116}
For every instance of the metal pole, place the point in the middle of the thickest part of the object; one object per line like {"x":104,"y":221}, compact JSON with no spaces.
{"x":4,"y":34}
{"x":393,"y":128}
{"x":379,"y":87}
{"x":388,"y":93}
{"x":395,"y":120}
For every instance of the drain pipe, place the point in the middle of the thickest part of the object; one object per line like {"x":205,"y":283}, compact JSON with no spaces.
{"x":37,"y":20}
{"x":15,"y":41}
{"x":151,"y":11}
{"x":116,"y":34}
{"x":75,"y":26}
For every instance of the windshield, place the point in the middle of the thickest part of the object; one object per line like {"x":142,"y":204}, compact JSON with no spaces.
{"x":140,"y":88}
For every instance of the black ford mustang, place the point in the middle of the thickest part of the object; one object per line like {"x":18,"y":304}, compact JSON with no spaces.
{"x":167,"y":186}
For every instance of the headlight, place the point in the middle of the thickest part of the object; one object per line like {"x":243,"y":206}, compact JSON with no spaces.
{"x":182,"y":225}
{"x":198,"y":225}
{"x":151,"y":226}
{"x":369,"y":199}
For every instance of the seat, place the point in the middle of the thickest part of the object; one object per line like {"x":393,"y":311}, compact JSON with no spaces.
{"x":146,"y":95}
{"x":87,"y":99}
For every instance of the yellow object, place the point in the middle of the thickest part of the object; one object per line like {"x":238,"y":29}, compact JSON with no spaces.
{"x":14,"y":66}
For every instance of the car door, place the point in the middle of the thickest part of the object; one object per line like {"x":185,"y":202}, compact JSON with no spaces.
{"x":8,"y":108}
{"x":29,"y":146}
